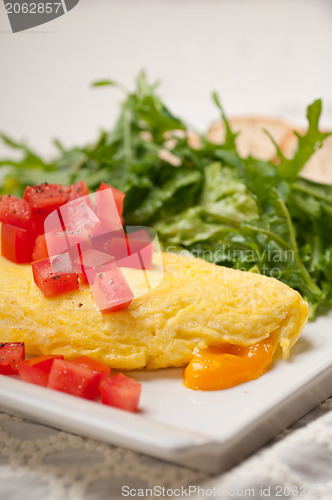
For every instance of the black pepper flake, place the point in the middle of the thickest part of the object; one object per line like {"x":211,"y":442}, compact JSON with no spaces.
{"x":80,"y":304}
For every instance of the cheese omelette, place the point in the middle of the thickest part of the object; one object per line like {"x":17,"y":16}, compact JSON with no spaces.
{"x":195,"y":304}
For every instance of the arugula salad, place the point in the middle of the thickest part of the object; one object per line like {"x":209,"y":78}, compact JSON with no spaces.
{"x":245,"y":213}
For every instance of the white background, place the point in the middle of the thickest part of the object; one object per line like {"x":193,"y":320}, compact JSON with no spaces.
{"x":263,"y":57}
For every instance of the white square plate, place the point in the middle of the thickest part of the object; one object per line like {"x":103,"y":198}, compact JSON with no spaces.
{"x":210,"y":431}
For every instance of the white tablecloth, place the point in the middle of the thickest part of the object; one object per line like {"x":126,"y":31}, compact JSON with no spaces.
{"x":43,"y":463}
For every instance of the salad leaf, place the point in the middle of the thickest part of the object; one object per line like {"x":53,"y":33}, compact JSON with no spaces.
{"x":241,"y":212}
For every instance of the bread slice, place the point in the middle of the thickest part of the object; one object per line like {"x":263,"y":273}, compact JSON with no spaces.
{"x":319,"y":167}
{"x":252,"y":140}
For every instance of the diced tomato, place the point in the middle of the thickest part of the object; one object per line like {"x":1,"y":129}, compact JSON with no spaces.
{"x":17,"y":244}
{"x":132,"y":261}
{"x":39,"y":217}
{"x":119,"y":247}
{"x":83,"y":279}
{"x":80,"y":220}
{"x":58,"y":242}
{"x":15,"y":211}
{"x":36,"y":370}
{"x":77,"y":190}
{"x":103,"y":242}
{"x":126,"y":247}
{"x":46,"y":222}
{"x":141,"y":235}
{"x":46,"y":196}
{"x":95,"y":366}
{"x":53,"y":223}
{"x":118,"y":196}
{"x":44,"y":199}
{"x":74,"y":379}
{"x":143,"y":249}
{"x":11,"y":353}
{"x":122,"y":392}
{"x":51,"y":282}
{"x":62,"y":264}
{"x":91,"y":262}
{"x":40,"y":249}
{"x":111,"y":291}
{"x":107,"y":208}
{"x":93,"y":259}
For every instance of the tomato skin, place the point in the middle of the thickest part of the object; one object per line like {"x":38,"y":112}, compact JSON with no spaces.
{"x":132,"y":252}
{"x":92,"y":261}
{"x":141,"y":235}
{"x":109,"y":208}
{"x":15,"y":211}
{"x":40,"y":248}
{"x":144,"y":249}
{"x":118,"y":196}
{"x":77,"y":190}
{"x":111,"y":291}
{"x":121,"y":392}
{"x":95,"y":366}
{"x":58,"y":242}
{"x":36,"y":370}
{"x":80,"y":220}
{"x":46,"y":197}
{"x":17,"y":244}
{"x":11,"y":354}
{"x":74,"y":379}
{"x":51,"y":282}
{"x":119,"y":247}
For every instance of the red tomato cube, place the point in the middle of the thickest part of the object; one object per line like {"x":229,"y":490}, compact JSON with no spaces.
{"x":92,"y":261}
{"x":103,"y":242}
{"x":111,"y":291}
{"x":62,"y":241}
{"x":53,"y":222}
{"x":74,"y":379}
{"x":141,"y":235}
{"x":15,"y":211}
{"x":143,"y":249}
{"x":95,"y":366}
{"x":44,"y":199}
{"x":118,"y":196}
{"x":107,"y":209}
{"x":80,"y":220}
{"x":125,"y":247}
{"x":11,"y":354}
{"x":78,"y":190}
{"x":46,"y":196}
{"x":122,"y":392}
{"x":40,"y":248}
{"x":36,"y":370}
{"x":17,"y":244}
{"x":132,"y":261}
{"x":119,"y":247}
{"x":52,"y":282}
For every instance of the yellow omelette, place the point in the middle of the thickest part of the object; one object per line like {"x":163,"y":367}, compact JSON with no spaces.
{"x":196,"y":304}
